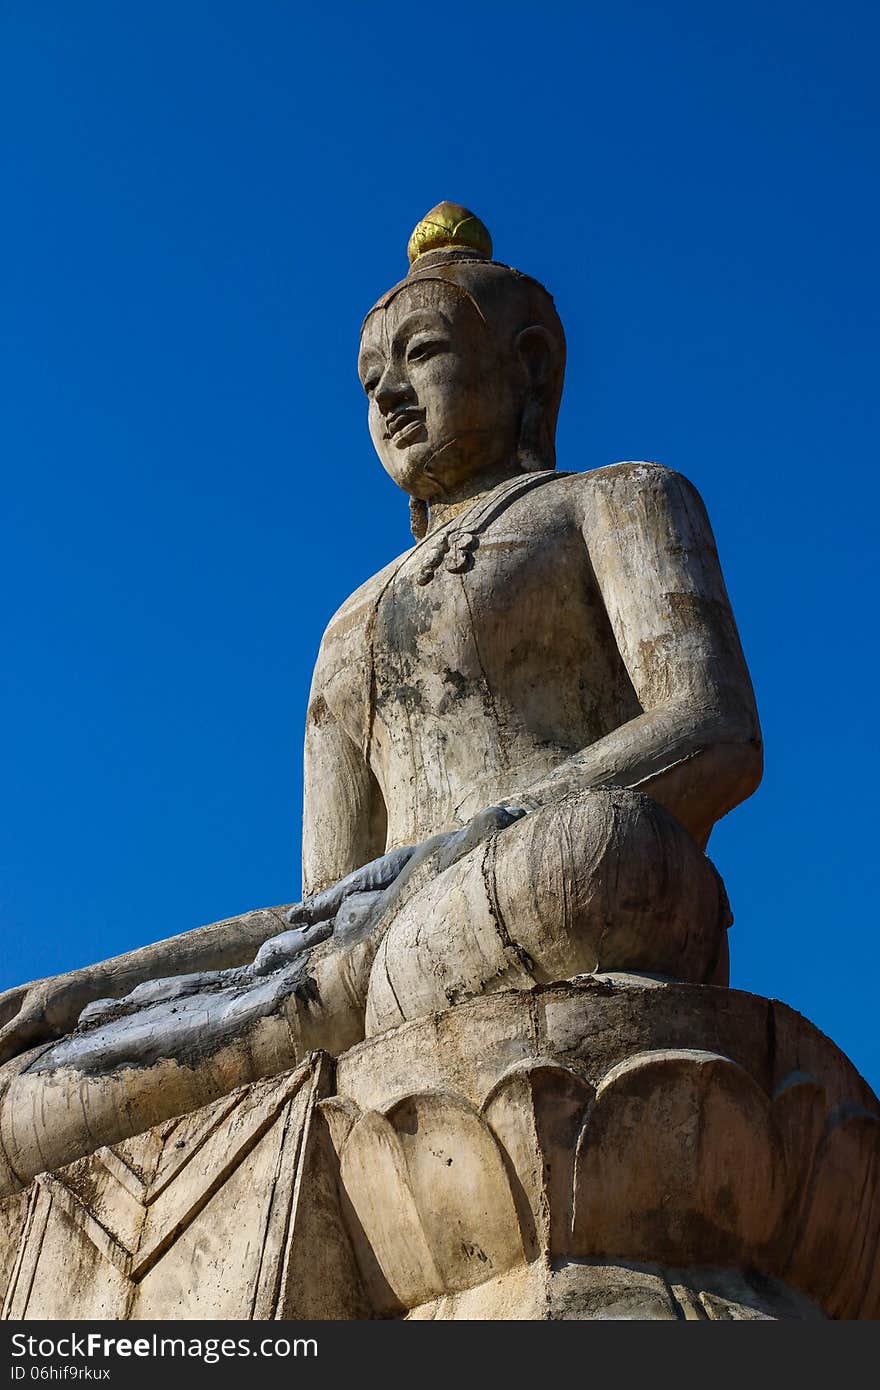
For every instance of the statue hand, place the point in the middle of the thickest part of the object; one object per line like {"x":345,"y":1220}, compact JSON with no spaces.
{"x":42,"y":1010}
{"x":364,"y":886}
{"x":495,"y":818}
{"x":479,"y":828}
{"x":280,"y":950}
{"x":370,"y":878}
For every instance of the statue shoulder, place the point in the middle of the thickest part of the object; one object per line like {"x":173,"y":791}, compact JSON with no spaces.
{"x":346,"y":631}
{"x":635,"y":476}
{"x":620,"y":493}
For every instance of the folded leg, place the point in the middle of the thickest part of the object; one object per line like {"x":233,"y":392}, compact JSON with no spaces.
{"x":603,"y":880}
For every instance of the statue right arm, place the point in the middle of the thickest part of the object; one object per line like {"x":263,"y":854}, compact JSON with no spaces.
{"x":344,"y":818}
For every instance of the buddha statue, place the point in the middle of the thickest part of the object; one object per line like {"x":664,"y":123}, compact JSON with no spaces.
{"x":520,"y":734}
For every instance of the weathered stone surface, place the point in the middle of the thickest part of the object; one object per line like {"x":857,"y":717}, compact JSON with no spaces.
{"x":583,"y":1291}
{"x":708,"y":1180}
{"x":210,"y":1216}
{"x":13,"y":1218}
{"x":481,"y":1163}
{"x":552,"y":672}
{"x":589,"y":1025}
{"x":428,"y":1188}
{"x":603,"y":880}
{"x":519,"y":736}
{"x":536,"y":1112}
{"x":623,"y":1139}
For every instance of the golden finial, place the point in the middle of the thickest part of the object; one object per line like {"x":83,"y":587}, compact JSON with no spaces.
{"x":448,"y":224}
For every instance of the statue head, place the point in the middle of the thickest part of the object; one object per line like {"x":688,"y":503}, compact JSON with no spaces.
{"x":462,"y":363}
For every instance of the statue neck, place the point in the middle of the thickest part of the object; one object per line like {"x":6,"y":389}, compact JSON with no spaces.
{"x":448,"y":507}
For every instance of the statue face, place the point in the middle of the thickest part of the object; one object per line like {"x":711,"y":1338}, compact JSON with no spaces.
{"x":445,"y":398}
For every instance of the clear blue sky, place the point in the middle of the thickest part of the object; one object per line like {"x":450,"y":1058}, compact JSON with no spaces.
{"x":200,"y":202}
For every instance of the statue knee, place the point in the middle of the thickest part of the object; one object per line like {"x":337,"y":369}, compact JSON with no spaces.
{"x":600,"y":881}
{"x":610,"y":880}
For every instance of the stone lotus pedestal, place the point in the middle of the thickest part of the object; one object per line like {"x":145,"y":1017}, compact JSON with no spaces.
{"x":607,"y":1147}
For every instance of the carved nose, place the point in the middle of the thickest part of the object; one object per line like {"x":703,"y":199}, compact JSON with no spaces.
{"x":393,"y":390}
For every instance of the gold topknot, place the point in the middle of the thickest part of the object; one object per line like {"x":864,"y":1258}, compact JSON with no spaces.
{"x":449,"y":225}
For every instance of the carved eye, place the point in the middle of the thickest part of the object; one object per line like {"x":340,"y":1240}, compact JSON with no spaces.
{"x":371,"y":382}
{"x":420,"y":349}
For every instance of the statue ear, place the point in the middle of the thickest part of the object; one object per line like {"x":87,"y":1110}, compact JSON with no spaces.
{"x":538,"y":354}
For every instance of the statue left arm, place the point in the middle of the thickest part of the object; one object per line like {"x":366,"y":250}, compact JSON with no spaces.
{"x":696,"y":746}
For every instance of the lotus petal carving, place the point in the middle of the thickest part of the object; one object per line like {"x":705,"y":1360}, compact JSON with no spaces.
{"x":429,"y":1191}
{"x":679,"y":1161}
{"x":834,"y":1258}
{"x":536,"y":1112}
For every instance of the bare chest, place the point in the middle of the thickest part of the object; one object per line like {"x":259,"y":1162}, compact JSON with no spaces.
{"x":500,"y":633}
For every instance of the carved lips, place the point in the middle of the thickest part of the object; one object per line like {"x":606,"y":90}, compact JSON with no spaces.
{"x":405,"y":427}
